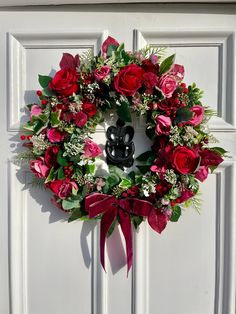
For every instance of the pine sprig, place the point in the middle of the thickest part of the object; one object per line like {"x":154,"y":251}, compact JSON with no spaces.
{"x":23,"y":158}
{"x":149,"y":50}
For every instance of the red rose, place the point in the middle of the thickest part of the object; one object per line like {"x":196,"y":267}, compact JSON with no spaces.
{"x":39,"y":168}
{"x":185,"y":160}
{"x":80,"y":119}
{"x":89,"y":108}
{"x":109,"y":41}
{"x":62,"y":188}
{"x":51,"y":155}
{"x":148,"y":66}
{"x":65,"y":82}
{"x":210,"y":158}
{"x":129,"y":80}
{"x":150,"y":80}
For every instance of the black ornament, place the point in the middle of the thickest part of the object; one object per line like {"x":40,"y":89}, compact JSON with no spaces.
{"x":119,"y":146}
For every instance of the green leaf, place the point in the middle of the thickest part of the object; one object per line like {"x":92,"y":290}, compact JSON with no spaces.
{"x":176,"y":214}
{"x":90,"y":168}
{"x":113,"y":180}
{"x":125,"y":183}
{"x":183,"y":114}
{"x":44,"y":80}
{"x":84,"y":191}
{"x":132,"y":176}
{"x":150,"y":132}
{"x":54,"y":118}
{"x":60,"y":173}
{"x":143,"y":168}
{"x":166,"y":64}
{"x":110,"y":49}
{"x":111,"y":229}
{"x":69,"y":203}
{"x":144,"y":156}
{"x":47,"y":92}
{"x":77,"y":214}
{"x":219,"y":150}
{"x":61,"y":160}
{"x":51,"y":176}
{"x":123,"y":112}
{"x":119,"y":172}
{"x":136,"y":220}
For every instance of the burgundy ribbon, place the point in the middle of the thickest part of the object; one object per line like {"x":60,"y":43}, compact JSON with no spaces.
{"x":111,"y":208}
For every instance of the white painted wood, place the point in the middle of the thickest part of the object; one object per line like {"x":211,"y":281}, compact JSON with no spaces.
{"x":48,"y":266}
{"x":6,"y":3}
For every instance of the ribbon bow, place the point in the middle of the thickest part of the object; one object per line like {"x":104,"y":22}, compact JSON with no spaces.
{"x":111,"y":208}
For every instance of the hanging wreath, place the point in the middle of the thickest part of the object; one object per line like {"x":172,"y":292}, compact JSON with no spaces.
{"x":63,"y":156}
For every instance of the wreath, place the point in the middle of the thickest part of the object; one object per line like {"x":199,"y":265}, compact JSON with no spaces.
{"x":91,"y":183}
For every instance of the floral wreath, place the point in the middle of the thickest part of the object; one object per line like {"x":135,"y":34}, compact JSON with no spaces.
{"x":64,"y":158}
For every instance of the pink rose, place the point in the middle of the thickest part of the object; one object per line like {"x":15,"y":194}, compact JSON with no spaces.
{"x":39,"y":168}
{"x":198,"y":114}
{"x":163,"y":125}
{"x":150,"y":80}
{"x":102,"y":73}
{"x":177,"y":72}
{"x":109,"y":41}
{"x":55,"y":136}
{"x":167,"y":85}
{"x":80,"y":119}
{"x":91,"y":149}
{"x":202,"y":173}
{"x":35,"y":111}
{"x":62,"y":188}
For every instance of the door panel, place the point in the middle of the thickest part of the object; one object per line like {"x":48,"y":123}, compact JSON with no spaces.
{"x":48,"y":266}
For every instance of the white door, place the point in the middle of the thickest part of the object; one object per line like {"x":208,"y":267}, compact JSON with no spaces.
{"x":48,"y":266}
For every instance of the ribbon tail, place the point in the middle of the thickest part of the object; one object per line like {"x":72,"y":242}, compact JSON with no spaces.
{"x":106,"y":222}
{"x":126,"y":228}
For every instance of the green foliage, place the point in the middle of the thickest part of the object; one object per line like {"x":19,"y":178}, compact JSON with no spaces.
{"x":166,"y":64}
{"x":194,"y":95}
{"x":51,"y":176}
{"x":62,"y":161}
{"x":44,"y":80}
{"x":176,"y":214}
{"x":60,"y":173}
{"x":145,"y":156}
{"x":183,"y":114}
{"x":54,"y":118}
{"x":112,"y":228}
{"x":143,"y":168}
{"x":136,"y":220}
{"x":77,"y":213}
{"x":123,"y":112}
{"x":110,"y":50}
{"x":125,"y":183}
{"x":70,"y":203}
{"x":219,"y":150}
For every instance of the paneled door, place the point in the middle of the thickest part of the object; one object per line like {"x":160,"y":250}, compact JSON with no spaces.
{"x":48,"y":266}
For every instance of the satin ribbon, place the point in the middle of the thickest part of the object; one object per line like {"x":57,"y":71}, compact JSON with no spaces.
{"x":111,"y":208}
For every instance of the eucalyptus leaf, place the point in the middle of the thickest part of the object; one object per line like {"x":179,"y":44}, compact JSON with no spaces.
{"x":176,"y":214}
{"x":183,"y":114}
{"x":77,"y":214}
{"x":44,"y":80}
{"x":166,"y":64}
{"x":123,"y":112}
{"x":61,"y":160}
{"x":69,"y":203}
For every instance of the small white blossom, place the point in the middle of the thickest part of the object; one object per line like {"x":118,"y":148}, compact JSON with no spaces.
{"x":39,"y":142}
